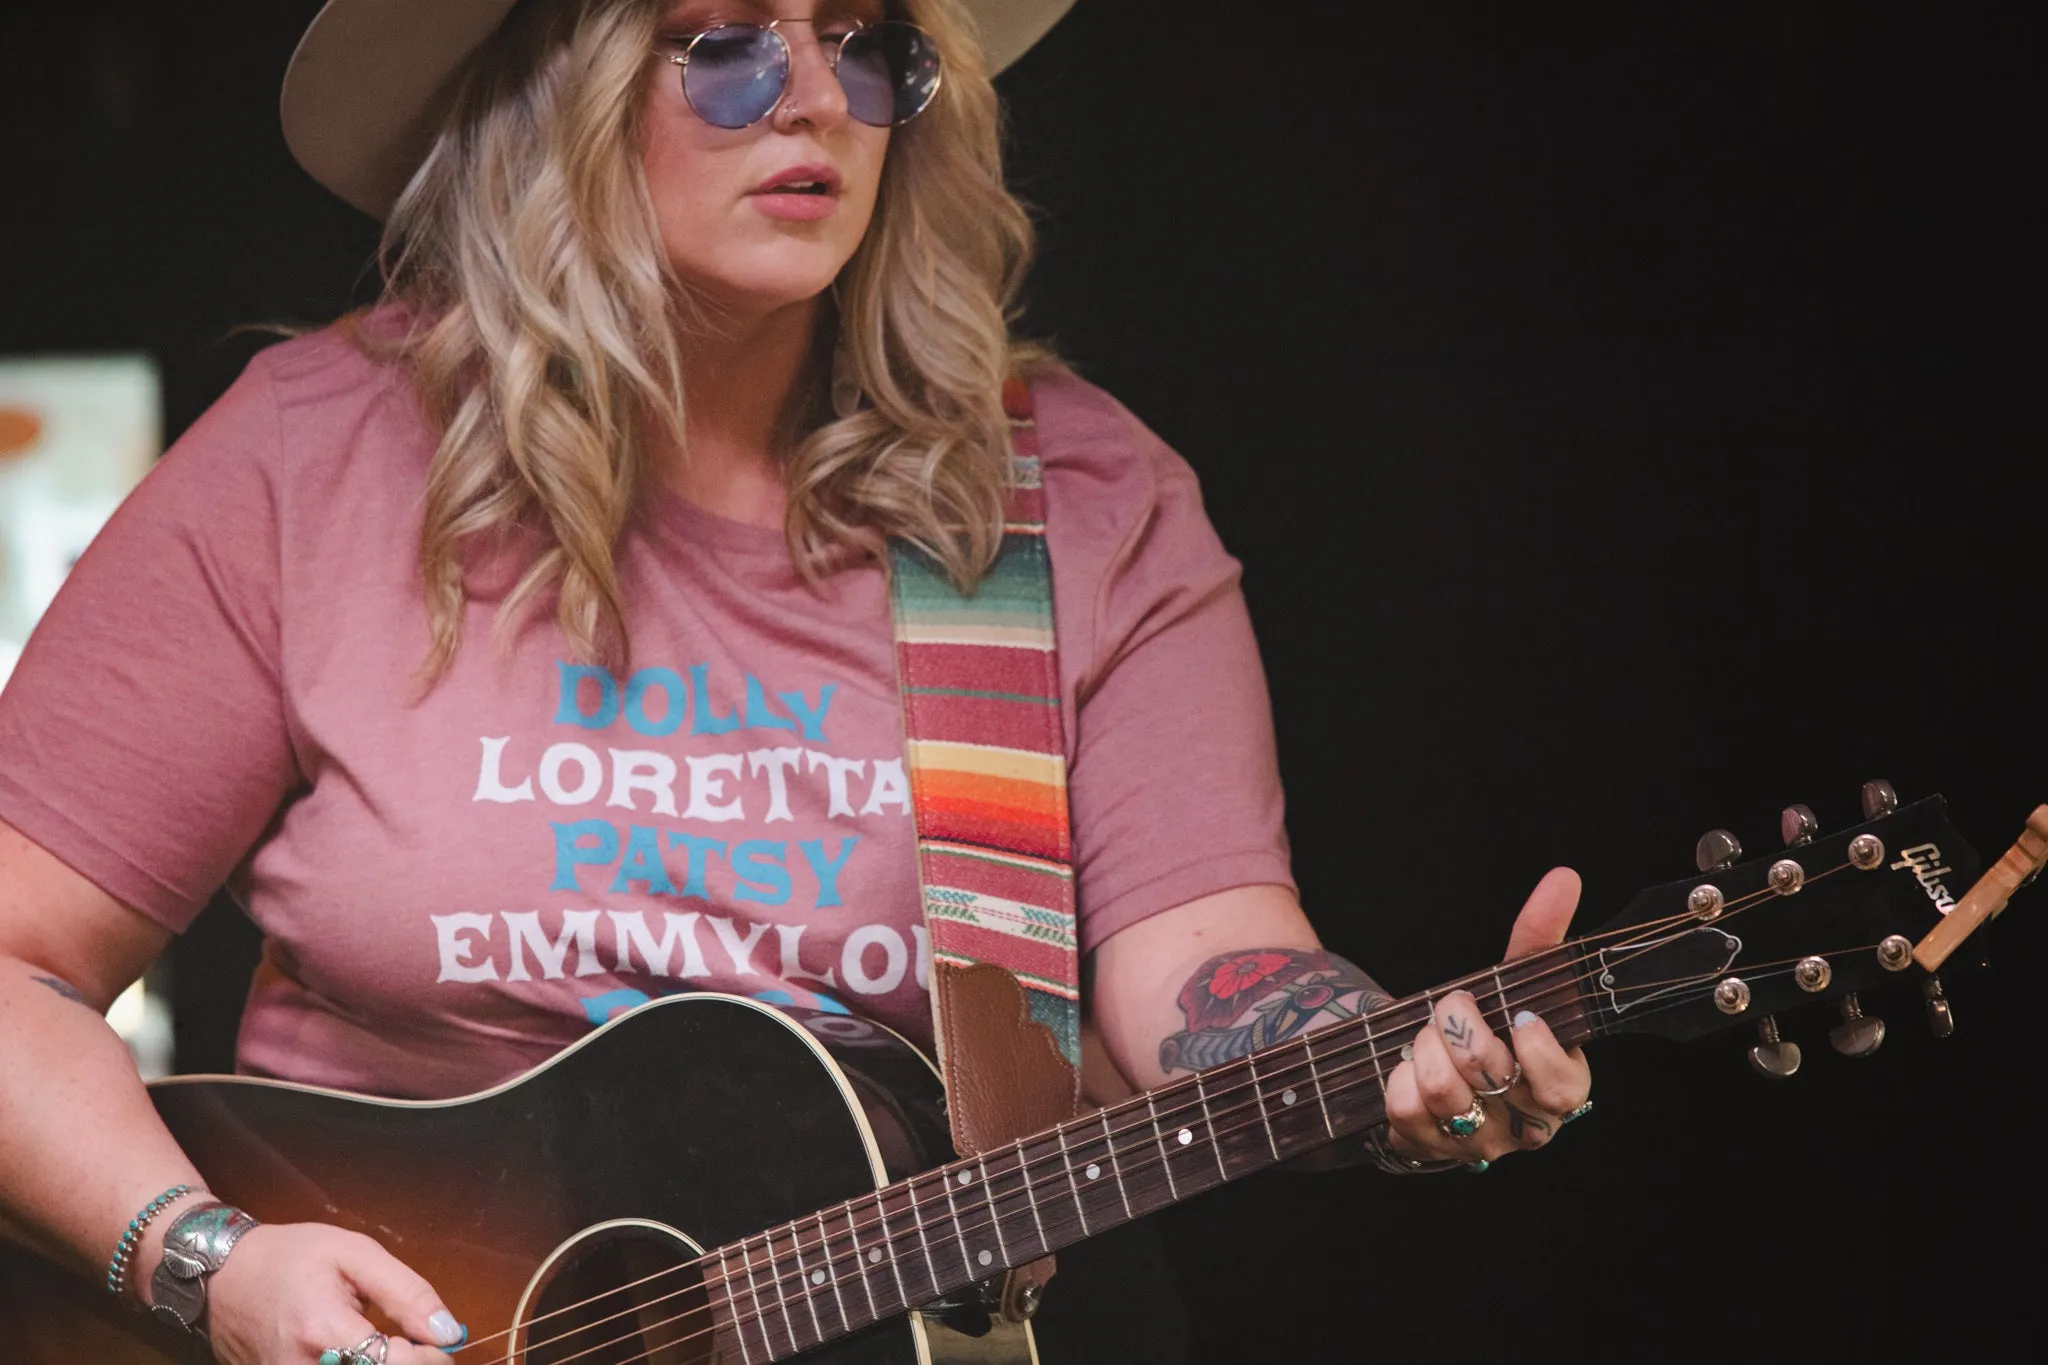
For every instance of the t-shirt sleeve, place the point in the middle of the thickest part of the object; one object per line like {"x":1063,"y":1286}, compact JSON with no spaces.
{"x":1174,"y":786}
{"x":142,"y":737}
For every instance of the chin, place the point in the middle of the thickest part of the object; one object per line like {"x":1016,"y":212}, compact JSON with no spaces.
{"x":767,"y":280}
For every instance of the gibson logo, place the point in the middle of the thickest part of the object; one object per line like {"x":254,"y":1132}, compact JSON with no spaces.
{"x":1924,"y":862}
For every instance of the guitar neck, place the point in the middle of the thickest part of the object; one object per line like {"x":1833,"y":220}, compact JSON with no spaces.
{"x":929,"y":1237}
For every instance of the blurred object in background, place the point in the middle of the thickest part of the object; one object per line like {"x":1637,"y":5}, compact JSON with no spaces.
{"x":76,"y":433}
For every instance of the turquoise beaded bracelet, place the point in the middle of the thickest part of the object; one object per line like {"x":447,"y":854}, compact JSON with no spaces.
{"x":117,"y":1269}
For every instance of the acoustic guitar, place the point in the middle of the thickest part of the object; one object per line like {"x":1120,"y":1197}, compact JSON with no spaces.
{"x":708,"y":1179}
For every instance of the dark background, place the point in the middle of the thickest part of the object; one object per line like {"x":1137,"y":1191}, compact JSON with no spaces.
{"x":1627,"y":416}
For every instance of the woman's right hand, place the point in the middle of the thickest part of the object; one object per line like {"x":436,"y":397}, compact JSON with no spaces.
{"x":289,"y":1291}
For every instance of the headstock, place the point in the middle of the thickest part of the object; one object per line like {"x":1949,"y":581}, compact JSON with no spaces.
{"x":1825,"y":918}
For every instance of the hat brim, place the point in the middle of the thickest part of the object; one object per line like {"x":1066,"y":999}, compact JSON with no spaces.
{"x":370,"y":80}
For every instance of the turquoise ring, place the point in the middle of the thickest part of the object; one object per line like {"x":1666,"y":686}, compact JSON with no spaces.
{"x":1578,"y":1113}
{"x":1462,"y":1126}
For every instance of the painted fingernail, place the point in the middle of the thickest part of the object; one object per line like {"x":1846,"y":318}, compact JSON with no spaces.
{"x":447,"y":1331}
{"x":1525,"y":1018}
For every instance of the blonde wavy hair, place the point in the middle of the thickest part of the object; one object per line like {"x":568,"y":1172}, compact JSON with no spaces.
{"x":548,"y":332}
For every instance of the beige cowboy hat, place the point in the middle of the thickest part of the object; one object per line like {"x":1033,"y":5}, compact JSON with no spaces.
{"x":371,"y":78}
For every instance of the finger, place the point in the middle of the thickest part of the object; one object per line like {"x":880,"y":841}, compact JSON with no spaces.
{"x":1482,"y":1059}
{"x":401,"y":1293}
{"x":1555,"y":1081}
{"x":1445,"y":1092}
{"x":1411,"y":1128}
{"x":1546,"y":915}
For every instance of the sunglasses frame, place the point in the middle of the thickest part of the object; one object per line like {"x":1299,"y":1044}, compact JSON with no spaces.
{"x":831,"y":50}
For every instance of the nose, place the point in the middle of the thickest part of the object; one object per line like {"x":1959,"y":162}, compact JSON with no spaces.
{"x":813,"y":95}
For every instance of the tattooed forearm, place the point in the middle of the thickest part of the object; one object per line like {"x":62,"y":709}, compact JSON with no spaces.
{"x":1241,"y":1002}
{"x":63,"y":988}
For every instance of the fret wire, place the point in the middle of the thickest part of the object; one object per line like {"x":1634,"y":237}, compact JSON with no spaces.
{"x":1210,"y":1119}
{"x":803,"y":1279}
{"x":917,"y":1216}
{"x":1259,"y":1097}
{"x":763,"y":1317}
{"x":889,"y":1251}
{"x":1165,"y":1157}
{"x":739,"y":1326}
{"x":959,"y":1232}
{"x":995,"y":1215}
{"x":860,"y":1260}
{"x":825,"y":1246}
{"x":1316,"y":1078}
{"x":1116,"y":1168}
{"x":1080,"y":1210}
{"x":1024,"y":1173}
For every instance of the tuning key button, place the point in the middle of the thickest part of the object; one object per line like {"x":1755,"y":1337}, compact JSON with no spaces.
{"x":1772,"y":1056}
{"x":1716,"y":849}
{"x":1797,"y":824}
{"x":1706,"y":902}
{"x":1812,"y":974}
{"x":1859,"y":1034}
{"x":1879,"y":800}
{"x":1786,"y":876}
{"x":1941,"y":1016}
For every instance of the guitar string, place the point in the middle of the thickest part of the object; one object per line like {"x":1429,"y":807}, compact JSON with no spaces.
{"x":1179,"y":1089}
{"x":960,"y":1229}
{"x":742,"y":1320}
{"x":1565,"y":966}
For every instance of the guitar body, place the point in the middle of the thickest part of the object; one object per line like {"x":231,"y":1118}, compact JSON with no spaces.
{"x":687,"y":1124}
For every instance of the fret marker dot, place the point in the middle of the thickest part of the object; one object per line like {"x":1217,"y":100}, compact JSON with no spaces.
{"x":874,"y":1256}
{"x":1186,"y":1137}
{"x":1288,"y":1097}
{"x":1092,"y":1171}
{"x":964,"y":1177}
{"x":984,"y":1258}
{"x":817,"y":1277}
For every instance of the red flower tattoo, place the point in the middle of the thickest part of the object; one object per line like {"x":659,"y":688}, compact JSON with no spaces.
{"x":1215,"y":997}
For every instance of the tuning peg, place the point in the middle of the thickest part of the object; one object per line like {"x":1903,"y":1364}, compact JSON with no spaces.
{"x":1941,"y":1016}
{"x":1716,"y":849}
{"x":1859,"y":1034}
{"x":1772,"y":1056}
{"x":1797,"y":824}
{"x":1879,"y":800}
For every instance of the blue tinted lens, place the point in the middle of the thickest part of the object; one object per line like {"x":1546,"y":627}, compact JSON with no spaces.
{"x":889,"y":72}
{"x":735,"y":73}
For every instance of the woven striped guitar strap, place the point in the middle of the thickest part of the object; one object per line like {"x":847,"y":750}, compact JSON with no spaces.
{"x":986,"y":748}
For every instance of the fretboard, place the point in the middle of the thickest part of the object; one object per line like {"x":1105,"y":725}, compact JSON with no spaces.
{"x":786,"y":1290}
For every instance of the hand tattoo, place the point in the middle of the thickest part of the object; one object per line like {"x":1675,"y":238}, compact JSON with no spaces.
{"x":63,"y":988}
{"x":1522,"y":1125}
{"x":1241,"y":1002}
{"x":1459,"y":1030}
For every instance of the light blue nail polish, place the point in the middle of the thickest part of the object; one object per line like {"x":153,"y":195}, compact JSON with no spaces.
{"x":447,"y":1331}
{"x":1524,"y":1018}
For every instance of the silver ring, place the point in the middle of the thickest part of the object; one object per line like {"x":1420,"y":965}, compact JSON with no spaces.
{"x":1463,"y":1126}
{"x":371,"y":1350}
{"x":1513,"y":1080}
{"x":1577,"y":1113}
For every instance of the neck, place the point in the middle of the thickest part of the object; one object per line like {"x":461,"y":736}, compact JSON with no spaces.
{"x":936,"y":1234}
{"x":738,"y":383}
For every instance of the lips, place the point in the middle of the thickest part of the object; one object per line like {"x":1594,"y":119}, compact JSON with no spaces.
{"x":816,"y":180}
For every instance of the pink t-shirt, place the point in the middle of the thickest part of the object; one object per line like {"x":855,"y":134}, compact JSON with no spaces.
{"x":453,"y":887}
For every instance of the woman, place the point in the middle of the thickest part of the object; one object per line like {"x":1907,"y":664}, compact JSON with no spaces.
{"x":469,"y":640}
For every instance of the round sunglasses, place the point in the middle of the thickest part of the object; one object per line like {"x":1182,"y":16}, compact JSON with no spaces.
{"x":735,"y":74}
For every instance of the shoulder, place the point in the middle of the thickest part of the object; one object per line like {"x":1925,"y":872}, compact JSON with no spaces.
{"x":1106,"y":473}
{"x":306,"y":409}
